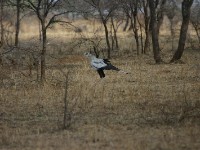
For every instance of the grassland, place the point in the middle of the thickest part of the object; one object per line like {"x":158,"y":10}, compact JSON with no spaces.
{"x":153,"y":107}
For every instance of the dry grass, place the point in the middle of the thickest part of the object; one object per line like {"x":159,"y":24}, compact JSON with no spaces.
{"x":154,"y":107}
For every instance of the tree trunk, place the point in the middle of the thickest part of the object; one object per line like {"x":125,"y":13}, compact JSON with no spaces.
{"x":135,"y":29}
{"x":39,"y":27}
{"x":141,"y":36}
{"x":186,"y":5}
{"x":107,"y":39}
{"x":2,"y":26}
{"x":147,"y":43}
{"x":43,"y":53}
{"x":127,"y":22}
{"x":17,"y":23}
{"x":172,"y":33}
{"x":111,"y":35}
{"x":146,"y":19}
{"x":160,"y":15}
{"x":154,"y":30}
{"x":115,"y":33}
{"x":197,"y":30}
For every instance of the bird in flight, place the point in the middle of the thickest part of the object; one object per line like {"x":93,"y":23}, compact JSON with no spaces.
{"x":101,"y":64}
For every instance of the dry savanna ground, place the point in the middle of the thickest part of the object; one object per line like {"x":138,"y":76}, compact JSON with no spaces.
{"x":152,"y":107}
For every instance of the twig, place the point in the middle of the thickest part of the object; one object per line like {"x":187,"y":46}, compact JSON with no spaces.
{"x":66,"y":102}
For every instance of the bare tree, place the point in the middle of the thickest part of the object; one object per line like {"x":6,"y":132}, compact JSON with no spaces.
{"x":154,"y":30}
{"x":127,"y":21}
{"x":116,"y":21}
{"x":186,"y":11}
{"x":18,"y":5}
{"x":145,"y":4}
{"x":17,"y":23}
{"x":42,"y":9}
{"x":160,"y":13}
{"x":130,"y":8}
{"x":171,"y":10}
{"x":1,"y":18}
{"x":134,"y":13}
{"x":105,"y":9}
{"x":195,"y":19}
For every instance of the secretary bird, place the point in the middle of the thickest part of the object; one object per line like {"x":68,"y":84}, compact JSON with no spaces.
{"x":101,"y":64}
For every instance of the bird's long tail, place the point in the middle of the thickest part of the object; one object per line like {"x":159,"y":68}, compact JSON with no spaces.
{"x":114,"y":68}
{"x":125,"y":72}
{"x":111,"y":67}
{"x":117,"y":69}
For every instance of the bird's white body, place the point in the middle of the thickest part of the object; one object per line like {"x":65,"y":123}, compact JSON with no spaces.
{"x":97,"y":63}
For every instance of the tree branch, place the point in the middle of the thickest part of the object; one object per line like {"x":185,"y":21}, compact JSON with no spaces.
{"x":53,"y":19}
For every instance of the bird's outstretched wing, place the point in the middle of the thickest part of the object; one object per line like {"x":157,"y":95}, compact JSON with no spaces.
{"x":101,"y":73}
